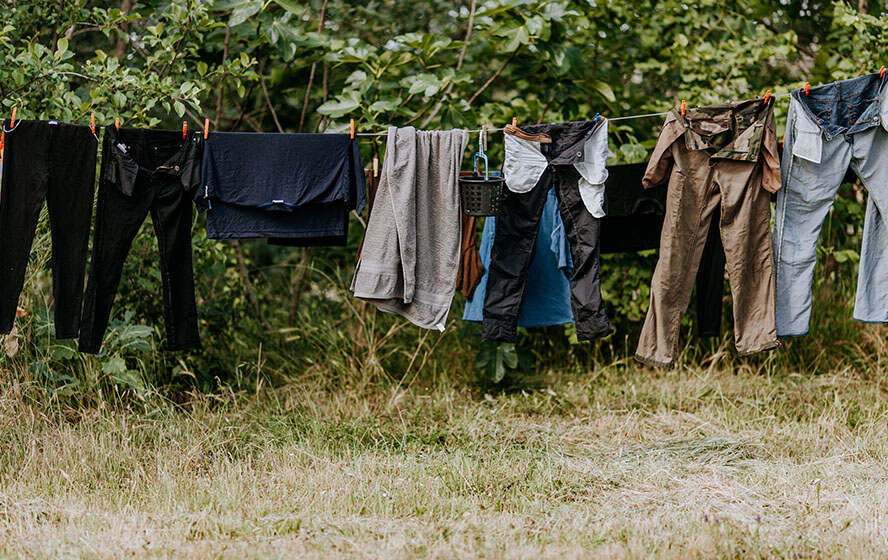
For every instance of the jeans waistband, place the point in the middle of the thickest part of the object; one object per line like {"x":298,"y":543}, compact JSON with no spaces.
{"x":846,"y":106}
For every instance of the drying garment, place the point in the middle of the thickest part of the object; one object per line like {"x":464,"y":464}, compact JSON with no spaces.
{"x":296,"y":189}
{"x":721,"y":156}
{"x":56,"y":162}
{"x":634,"y":222}
{"x":144,"y":171}
{"x":829,"y":128}
{"x":547,"y":295}
{"x":410,"y":257}
{"x":569,"y":157}
{"x":470,"y":268}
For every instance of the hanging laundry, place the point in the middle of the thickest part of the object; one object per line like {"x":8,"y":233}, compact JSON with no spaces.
{"x":470,"y":267}
{"x":411,"y":250}
{"x":829,"y":128}
{"x":57,"y":162}
{"x":547,"y":294}
{"x":296,"y":189}
{"x":721,"y":154}
{"x":634,"y":222}
{"x":144,"y":171}
{"x":571,"y":158}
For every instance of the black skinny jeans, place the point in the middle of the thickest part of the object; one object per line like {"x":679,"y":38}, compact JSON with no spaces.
{"x":157,"y":173}
{"x":56,"y":162}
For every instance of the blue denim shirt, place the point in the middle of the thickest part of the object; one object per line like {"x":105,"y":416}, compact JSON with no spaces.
{"x":547,"y":298}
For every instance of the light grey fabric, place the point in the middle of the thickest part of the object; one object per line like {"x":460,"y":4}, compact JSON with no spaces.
{"x":410,"y":258}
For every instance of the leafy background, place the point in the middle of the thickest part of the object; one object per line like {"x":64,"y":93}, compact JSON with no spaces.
{"x":281,"y":65}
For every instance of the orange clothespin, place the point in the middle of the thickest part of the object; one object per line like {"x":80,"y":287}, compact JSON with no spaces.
{"x":684,"y":106}
{"x":12,"y":120}
{"x":184,"y":129}
{"x":767,"y":96}
{"x":92,"y":123}
{"x":807,"y":87}
{"x":2,"y":140}
{"x":882,"y":72}
{"x":514,"y":121}
{"x":206,"y":128}
{"x":117,"y":123}
{"x":351,"y":129}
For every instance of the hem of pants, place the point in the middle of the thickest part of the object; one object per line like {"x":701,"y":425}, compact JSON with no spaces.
{"x":871,"y":321}
{"x":769,"y":346}
{"x":589,"y":336}
{"x":655,"y":363}
{"x":66,"y":336}
{"x":493,"y":330}
{"x":793,"y":335}
{"x":89,"y":348}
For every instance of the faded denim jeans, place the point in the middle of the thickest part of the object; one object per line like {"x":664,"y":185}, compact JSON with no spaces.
{"x":831,"y":127}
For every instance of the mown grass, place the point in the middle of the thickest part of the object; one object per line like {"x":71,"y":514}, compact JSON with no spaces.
{"x":722,"y":458}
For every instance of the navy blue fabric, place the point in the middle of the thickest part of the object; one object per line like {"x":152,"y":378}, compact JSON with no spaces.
{"x":292,"y":188}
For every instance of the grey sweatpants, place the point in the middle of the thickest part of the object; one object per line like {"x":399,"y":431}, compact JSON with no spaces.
{"x":410,"y":258}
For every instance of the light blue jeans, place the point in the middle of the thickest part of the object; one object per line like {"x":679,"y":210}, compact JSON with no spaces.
{"x":834,"y":126}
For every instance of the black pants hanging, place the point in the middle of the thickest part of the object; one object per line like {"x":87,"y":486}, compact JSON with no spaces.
{"x":56,"y":162}
{"x":144,"y":171}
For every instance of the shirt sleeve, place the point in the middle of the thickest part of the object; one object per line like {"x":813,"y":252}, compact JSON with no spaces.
{"x":661,"y":161}
{"x":771,"y":171}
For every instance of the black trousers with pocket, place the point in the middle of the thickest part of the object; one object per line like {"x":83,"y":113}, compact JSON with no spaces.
{"x":154,"y":175}
{"x":55,"y":162}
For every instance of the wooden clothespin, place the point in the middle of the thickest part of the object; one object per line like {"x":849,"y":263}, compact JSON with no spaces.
{"x":767,"y":96}
{"x":684,"y":106}
{"x":375,"y":166}
{"x":351,"y":129}
{"x":117,"y":123}
{"x":206,"y":128}
{"x":92,"y":123}
{"x":184,"y":129}
{"x":807,"y":87}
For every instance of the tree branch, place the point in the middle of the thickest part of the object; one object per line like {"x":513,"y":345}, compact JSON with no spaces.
{"x":495,"y":76}
{"x":314,"y":66}
{"x":248,"y":285}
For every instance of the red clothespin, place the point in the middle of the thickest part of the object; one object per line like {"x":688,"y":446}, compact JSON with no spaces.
{"x":882,"y":72}
{"x":117,"y":123}
{"x":92,"y":123}
{"x":807,"y":87}
{"x":514,"y":121}
{"x":351,"y":129}
{"x":184,"y":129}
{"x":2,"y":140}
{"x":684,"y":106}
{"x":206,"y":128}
{"x":767,"y":96}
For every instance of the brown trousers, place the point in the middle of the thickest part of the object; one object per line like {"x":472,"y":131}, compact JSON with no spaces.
{"x":698,"y":182}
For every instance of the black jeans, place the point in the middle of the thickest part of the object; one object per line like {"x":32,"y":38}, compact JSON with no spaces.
{"x":634,"y":222}
{"x":515,"y":243}
{"x":144,"y":171}
{"x":57,"y":162}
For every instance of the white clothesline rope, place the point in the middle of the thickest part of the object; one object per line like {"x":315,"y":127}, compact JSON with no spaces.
{"x":624,"y":118}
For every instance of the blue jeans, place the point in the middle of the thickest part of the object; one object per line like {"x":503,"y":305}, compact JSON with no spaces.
{"x":833,"y":126}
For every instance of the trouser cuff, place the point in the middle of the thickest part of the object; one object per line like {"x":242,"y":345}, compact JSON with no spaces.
{"x":499,"y":330}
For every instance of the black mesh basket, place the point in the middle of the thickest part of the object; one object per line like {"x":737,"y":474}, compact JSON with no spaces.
{"x":480,"y":196}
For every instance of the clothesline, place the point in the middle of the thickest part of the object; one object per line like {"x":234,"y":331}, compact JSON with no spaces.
{"x":612,"y":119}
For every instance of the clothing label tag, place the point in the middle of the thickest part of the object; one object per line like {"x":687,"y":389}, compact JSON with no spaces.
{"x":277,"y":201}
{"x":53,"y":122}
{"x":440,"y":327}
{"x":122,"y":147}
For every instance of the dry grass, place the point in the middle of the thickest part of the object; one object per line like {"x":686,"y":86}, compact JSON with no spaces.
{"x":625,"y":463}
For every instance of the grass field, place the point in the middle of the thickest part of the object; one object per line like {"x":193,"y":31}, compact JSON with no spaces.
{"x":728,"y":459}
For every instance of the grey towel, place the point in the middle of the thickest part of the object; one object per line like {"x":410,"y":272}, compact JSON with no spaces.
{"x":410,"y":258}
